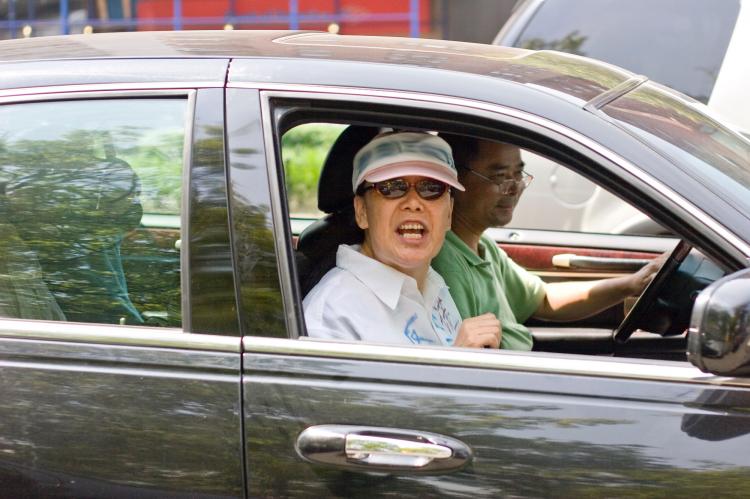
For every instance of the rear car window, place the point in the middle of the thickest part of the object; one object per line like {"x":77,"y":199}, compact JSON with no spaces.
{"x":90,"y":196}
{"x":680,"y":43}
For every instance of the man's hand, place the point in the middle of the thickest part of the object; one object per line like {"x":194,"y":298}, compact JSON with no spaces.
{"x":642,"y":278}
{"x":482,"y":331}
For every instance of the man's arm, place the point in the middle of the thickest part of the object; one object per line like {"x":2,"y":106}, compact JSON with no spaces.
{"x":567,"y":301}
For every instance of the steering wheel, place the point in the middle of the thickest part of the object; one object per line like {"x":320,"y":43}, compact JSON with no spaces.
{"x":649,"y":295}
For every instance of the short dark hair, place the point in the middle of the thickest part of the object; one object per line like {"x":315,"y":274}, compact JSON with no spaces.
{"x":465,"y":149}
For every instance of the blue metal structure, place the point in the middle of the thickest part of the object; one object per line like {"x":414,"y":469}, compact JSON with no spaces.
{"x":294,"y":19}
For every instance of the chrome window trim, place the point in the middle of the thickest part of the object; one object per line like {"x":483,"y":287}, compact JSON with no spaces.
{"x":186,"y":318}
{"x":532,"y":362}
{"x":277,"y":212}
{"x":169,"y":362}
{"x":116,"y":335}
{"x":32,"y":93}
{"x":64,"y":334}
{"x":446,"y":103}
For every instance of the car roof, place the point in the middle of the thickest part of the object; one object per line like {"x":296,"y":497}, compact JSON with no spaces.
{"x":562,"y":73}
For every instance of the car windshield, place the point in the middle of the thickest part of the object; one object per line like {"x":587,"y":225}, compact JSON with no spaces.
{"x":708,"y":151}
{"x":680,"y":43}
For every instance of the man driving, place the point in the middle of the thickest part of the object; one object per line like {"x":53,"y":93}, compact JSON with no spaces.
{"x":482,"y":278}
{"x":384,"y":291}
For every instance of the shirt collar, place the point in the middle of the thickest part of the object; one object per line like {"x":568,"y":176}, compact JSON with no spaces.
{"x":458,"y":243}
{"x":384,"y":281}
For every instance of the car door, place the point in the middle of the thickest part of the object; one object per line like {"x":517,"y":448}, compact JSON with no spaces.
{"x":119,"y":346}
{"x":326,"y":418}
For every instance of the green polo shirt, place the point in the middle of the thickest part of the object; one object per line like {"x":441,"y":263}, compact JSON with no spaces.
{"x":491,"y":282}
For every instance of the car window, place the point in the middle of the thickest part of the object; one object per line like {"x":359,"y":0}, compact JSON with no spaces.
{"x":550,"y":257}
{"x":581,"y":205}
{"x":680,"y":43}
{"x":705,"y":148}
{"x":563,"y":200}
{"x":90,"y":194}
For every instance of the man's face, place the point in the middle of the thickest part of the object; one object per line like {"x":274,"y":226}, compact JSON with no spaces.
{"x":484,"y":204}
{"x":404,"y":233}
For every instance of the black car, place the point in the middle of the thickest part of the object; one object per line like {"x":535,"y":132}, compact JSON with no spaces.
{"x":160,"y":225}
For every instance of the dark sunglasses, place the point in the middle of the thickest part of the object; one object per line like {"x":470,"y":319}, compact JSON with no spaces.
{"x":427,"y":188}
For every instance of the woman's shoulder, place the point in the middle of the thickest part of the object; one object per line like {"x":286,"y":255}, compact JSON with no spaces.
{"x":337,"y":282}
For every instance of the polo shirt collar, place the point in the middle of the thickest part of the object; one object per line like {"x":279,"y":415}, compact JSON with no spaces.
{"x":464,"y":250}
{"x":385,"y":282}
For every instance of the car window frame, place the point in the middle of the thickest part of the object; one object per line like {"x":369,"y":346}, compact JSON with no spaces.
{"x":170,"y":337}
{"x":272,"y":93}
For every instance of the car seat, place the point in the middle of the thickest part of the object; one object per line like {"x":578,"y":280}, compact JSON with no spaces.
{"x":318,"y":243}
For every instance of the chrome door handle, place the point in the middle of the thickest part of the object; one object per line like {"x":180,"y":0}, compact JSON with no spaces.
{"x":369,"y":449}
{"x":382,"y":449}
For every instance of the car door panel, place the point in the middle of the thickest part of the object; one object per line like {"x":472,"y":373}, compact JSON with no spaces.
{"x":536,"y":250}
{"x":538,"y":424}
{"x":86,"y":415}
{"x":108,"y":410}
{"x":591,"y":263}
{"x":533,"y":434}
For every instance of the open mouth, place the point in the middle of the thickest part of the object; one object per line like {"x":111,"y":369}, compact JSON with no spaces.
{"x":411,"y":230}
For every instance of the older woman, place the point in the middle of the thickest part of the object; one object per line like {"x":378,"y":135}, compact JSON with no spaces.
{"x":384,"y":290}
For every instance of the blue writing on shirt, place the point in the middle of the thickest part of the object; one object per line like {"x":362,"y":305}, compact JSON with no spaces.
{"x":444,"y":321}
{"x":412,"y":333}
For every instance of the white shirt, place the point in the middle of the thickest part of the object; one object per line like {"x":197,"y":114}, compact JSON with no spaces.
{"x":362,"y":299}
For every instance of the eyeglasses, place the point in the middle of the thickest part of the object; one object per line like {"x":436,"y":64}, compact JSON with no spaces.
{"x":396,"y":188}
{"x":506,"y":185}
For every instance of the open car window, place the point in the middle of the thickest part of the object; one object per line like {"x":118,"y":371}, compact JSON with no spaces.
{"x":304,"y":149}
{"x":599,"y":249}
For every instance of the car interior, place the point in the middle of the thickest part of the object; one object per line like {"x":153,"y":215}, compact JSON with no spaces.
{"x":317,"y":243}
{"x":653,"y":326}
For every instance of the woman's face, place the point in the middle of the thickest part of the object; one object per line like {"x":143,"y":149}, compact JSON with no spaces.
{"x":404,"y":233}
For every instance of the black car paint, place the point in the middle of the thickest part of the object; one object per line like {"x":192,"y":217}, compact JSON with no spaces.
{"x":106,"y":412}
{"x":533,"y":435}
{"x":92,"y":419}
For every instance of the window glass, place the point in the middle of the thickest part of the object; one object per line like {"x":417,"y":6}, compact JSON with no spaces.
{"x":680,"y":43}
{"x":706,"y":149}
{"x":560,"y":199}
{"x":90,"y":204}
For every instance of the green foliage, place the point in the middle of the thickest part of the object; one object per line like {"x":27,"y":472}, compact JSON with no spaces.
{"x":74,"y":197}
{"x":570,"y":43}
{"x":157,"y":159}
{"x":303,"y":150}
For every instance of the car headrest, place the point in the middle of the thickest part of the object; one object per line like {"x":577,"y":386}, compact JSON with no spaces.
{"x":67,"y":207}
{"x":335,"y":184}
